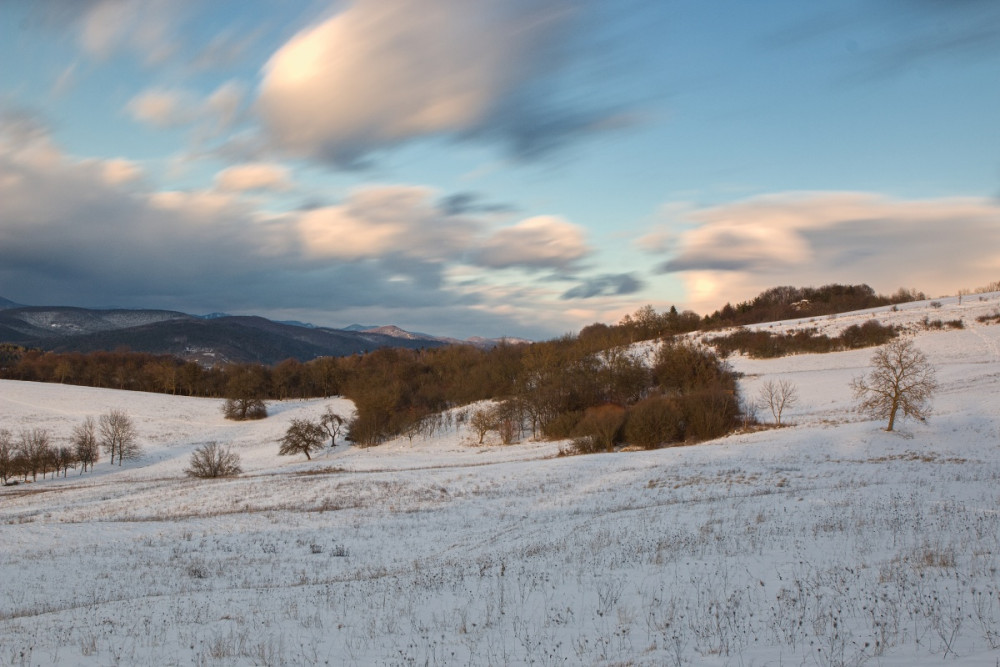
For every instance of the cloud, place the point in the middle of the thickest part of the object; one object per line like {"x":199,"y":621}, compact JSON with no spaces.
{"x":380,"y":220}
{"x":535,"y":243}
{"x":93,"y":232}
{"x":146,"y":28}
{"x":166,"y":108}
{"x":461,"y":203}
{"x":605,"y":285}
{"x":254,"y":176}
{"x":737,"y":250}
{"x":119,"y":171}
{"x":163,"y":108}
{"x":384,"y":72}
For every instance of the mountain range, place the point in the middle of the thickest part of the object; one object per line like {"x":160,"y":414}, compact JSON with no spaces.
{"x":211,"y":339}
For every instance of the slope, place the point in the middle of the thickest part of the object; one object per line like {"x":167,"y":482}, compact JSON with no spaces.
{"x":830,"y":542}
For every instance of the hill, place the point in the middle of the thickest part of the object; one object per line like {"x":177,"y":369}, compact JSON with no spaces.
{"x":217,"y":338}
{"x":829,"y":542}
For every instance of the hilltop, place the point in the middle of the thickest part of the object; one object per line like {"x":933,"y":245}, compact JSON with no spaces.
{"x":828,"y":542}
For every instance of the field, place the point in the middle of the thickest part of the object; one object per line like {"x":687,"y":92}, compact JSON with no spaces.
{"x":828,"y":542}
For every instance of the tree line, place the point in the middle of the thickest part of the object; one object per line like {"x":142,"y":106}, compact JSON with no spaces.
{"x":34,"y":452}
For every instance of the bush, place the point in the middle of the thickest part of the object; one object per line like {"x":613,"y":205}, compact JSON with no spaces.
{"x":599,"y":429}
{"x":241,"y":409}
{"x":654,"y":422}
{"x":709,"y":413}
{"x":563,"y":425}
{"x":214,"y":460}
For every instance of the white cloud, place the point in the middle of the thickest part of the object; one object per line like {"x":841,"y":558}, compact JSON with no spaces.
{"x":737,"y":250}
{"x":382,"y":72}
{"x":166,"y":108}
{"x":145,"y":27}
{"x":381,"y":220}
{"x":254,"y":176}
{"x":539,"y":242}
{"x":224,"y":104}
{"x":163,"y":108}
{"x":119,"y":171}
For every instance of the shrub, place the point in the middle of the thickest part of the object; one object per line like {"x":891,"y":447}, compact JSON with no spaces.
{"x":654,"y":422}
{"x":869,"y":334}
{"x":241,"y":409}
{"x":213,"y":460}
{"x":709,"y":413}
{"x":563,"y":425}
{"x":599,"y":429}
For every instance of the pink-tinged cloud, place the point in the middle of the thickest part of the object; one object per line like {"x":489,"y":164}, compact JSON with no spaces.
{"x":734,"y":251}
{"x":535,"y":243}
{"x":383,"y":72}
{"x":385,"y":220}
{"x":254,"y":176}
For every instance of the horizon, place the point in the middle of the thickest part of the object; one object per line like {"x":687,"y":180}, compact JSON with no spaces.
{"x":517,"y":169}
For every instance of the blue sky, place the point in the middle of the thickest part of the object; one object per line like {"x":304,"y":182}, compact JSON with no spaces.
{"x":502,"y":167}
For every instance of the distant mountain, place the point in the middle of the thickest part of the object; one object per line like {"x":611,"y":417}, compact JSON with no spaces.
{"x":476,"y":341}
{"x":7,"y":303}
{"x":207,"y":339}
{"x":219,"y":339}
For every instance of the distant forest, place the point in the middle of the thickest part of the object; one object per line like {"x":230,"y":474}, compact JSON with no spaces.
{"x":591,"y":386}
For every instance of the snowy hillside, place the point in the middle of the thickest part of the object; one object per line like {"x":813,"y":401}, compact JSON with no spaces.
{"x":830,"y":542}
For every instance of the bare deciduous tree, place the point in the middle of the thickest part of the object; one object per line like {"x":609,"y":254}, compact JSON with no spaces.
{"x":65,"y":458}
{"x":35,"y":448}
{"x":214,"y":460}
{"x":302,"y":437}
{"x":84,"y":440}
{"x":482,"y":422}
{"x":245,"y":393}
{"x":332,"y":423}
{"x":776,"y":396}
{"x":119,"y":436}
{"x":901,"y":378}
{"x":7,"y":455}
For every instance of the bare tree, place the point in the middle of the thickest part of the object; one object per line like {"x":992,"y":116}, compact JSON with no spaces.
{"x":332,"y":423}
{"x":482,"y":422}
{"x":900,"y":378}
{"x":7,"y":455}
{"x":65,"y":458}
{"x":119,"y":436}
{"x":245,"y":392}
{"x":35,"y":448}
{"x":302,"y":437}
{"x":776,"y":396}
{"x":84,"y":440}
{"x":214,"y":460}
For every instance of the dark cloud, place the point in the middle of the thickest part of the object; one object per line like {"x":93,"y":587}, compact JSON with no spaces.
{"x":462,"y":203}
{"x":606,"y":285}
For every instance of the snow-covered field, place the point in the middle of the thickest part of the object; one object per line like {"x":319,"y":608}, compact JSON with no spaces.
{"x":830,"y":542}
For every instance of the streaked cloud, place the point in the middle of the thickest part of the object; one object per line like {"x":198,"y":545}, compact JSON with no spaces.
{"x":381,"y":73}
{"x":536,"y":243}
{"x":381,"y":220}
{"x":737,"y":250}
{"x":254,"y":176}
{"x":163,"y":108}
{"x":167,"y":107}
{"x":605,"y":285}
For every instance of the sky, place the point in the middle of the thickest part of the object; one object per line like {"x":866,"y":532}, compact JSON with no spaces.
{"x":492,"y":168}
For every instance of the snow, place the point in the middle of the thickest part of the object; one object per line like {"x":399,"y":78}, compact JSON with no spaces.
{"x":828,"y":542}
